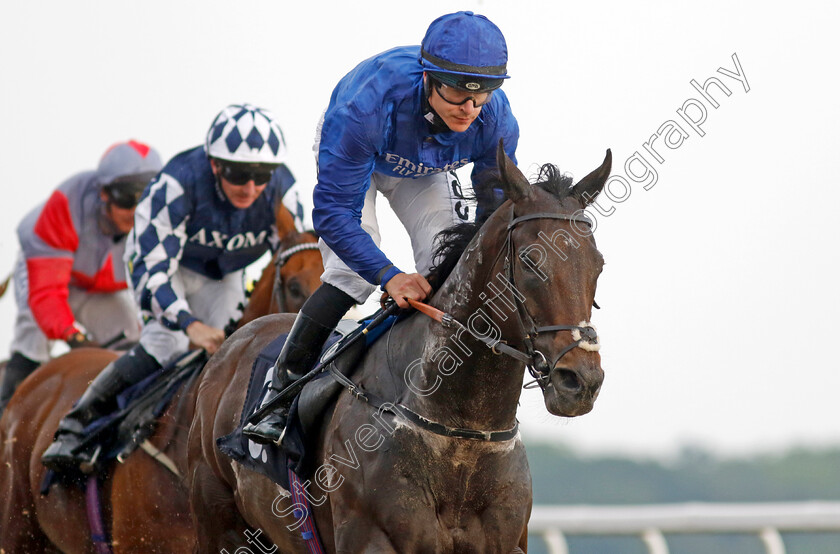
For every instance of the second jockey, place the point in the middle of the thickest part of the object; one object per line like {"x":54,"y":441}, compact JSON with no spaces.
{"x":209,"y":214}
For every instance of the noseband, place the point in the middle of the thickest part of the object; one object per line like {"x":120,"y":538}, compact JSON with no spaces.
{"x":279,"y":261}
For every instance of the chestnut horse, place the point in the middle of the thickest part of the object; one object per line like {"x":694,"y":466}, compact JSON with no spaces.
{"x":299,"y":263}
{"x":145,"y":503}
{"x":426,"y":456}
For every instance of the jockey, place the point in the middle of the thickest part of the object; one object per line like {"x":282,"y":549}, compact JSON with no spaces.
{"x":207,"y":215}
{"x":70,"y":281}
{"x":400,"y":123}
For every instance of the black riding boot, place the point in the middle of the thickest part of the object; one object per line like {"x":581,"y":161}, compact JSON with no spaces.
{"x":97,"y":401}
{"x":18,"y":368}
{"x":302,"y":349}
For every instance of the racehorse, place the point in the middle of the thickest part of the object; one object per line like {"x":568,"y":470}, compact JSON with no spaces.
{"x":425,"y":454}
{"x":144,"y":501}
{"x":298,"y":261}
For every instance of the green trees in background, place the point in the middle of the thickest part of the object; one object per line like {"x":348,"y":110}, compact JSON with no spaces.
{"x":563,"y":477}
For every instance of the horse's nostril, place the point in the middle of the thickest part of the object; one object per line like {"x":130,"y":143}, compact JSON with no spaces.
{"x":568,"y":379}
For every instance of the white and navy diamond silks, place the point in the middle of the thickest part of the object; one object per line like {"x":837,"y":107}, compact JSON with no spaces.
{"x":185,"y":220}
{"x":246,"y":133}
{"x":155,"y":250}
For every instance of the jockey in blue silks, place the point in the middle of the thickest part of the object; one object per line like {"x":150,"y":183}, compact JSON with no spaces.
{"x":206,"y":216}
{"x":399,"y":123}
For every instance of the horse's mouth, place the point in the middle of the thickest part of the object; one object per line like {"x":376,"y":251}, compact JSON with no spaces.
{"x":563,"y":406}
{"x":567,"y":395}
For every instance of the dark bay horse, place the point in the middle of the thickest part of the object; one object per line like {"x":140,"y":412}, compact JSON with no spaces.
{"x":426,"y":456}
{"x":146,"y":504}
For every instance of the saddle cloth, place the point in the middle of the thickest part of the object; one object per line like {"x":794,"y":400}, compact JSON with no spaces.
{"x":298,"y":444}
{"x":121,"y":432}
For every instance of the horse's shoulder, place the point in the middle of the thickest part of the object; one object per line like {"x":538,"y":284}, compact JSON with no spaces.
{"x":81,"y":364}
{"x":266,"y":326}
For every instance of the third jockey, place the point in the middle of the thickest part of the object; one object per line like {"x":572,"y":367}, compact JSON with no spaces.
{"x":70,"y":281}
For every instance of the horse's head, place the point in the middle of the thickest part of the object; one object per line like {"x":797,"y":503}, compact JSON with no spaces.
{"x":298,"y":265}
{"x":553,"y":265}
{"x":292,"y":276}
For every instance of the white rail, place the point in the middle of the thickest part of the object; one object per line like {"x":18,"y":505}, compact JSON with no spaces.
{"x":651,"y":522}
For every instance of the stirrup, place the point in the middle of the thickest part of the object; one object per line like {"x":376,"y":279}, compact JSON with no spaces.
{"x":61,"y":456}
{"x":269,"y":430}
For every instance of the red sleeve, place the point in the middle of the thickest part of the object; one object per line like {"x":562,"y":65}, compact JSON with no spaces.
{"x":55,"y":225}
{"x":49,"y":279}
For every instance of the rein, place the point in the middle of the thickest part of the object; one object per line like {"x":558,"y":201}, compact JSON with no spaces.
{"x":585,"y":336}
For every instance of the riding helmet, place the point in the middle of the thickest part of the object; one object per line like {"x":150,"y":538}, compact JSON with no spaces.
{"x":465,"y":50}
{"x":125,"y":169}
{"x":246,"y":134}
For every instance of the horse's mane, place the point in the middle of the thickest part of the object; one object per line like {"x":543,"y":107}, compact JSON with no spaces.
{"x":451,"y":242}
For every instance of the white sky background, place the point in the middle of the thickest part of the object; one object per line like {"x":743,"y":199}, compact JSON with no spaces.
{"x":720,"y":301}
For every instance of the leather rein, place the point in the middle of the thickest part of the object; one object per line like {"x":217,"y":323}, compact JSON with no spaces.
{"x":584,"y":335}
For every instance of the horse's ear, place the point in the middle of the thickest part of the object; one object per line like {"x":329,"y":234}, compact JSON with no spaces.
{"x":588,"y":188}
{"x":284,"y":219}
{"x":514,"y":183}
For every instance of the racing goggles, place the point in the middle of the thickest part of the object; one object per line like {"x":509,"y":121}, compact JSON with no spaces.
{"x":458,"y":97}
{"x":240,"y":174}
{"x":125,"y":192}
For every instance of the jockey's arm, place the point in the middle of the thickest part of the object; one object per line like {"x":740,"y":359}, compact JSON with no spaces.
{"x":346,"y":159}
{"x":152,"y":266}
{"x":48,"y":246}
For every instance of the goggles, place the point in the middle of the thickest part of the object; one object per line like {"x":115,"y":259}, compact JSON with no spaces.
{"x":458,"y":97}
{"x":124,"y":199}
{"x":125,"y":192}
{"x":240,"y":175}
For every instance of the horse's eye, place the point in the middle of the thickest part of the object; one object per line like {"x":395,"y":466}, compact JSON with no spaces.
{"x":294,"y":290}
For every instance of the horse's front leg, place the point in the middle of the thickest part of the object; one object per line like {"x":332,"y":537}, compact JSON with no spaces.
{"x":361,"y":536}
{"x":523,"y":543}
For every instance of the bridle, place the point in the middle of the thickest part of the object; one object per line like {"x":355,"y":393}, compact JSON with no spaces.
{"x":279,"y":261}
{"x":584,"y":334}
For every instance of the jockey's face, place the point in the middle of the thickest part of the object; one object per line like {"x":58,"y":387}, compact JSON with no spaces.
{"x":457,"y":117}
{"x":241,"y":196}
{"x":122,"y":218}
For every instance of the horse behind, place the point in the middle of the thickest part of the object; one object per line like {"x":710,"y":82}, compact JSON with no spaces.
{"x":438,"y":466}
{"x":146,"y":504}
{"x":292,"y":276}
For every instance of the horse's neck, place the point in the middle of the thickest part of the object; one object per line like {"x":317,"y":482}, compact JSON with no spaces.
{"x":454,"y":378}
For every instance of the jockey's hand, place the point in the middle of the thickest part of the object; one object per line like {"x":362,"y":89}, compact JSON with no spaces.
{"x":206,"y":337}
{"x":80,"y":340}
{"x":408,"y":285}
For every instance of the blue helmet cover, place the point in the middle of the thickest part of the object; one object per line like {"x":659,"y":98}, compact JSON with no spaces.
{"x":464,"y":43}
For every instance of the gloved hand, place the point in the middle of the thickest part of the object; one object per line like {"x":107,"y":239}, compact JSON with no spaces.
{"x":79,"y":340}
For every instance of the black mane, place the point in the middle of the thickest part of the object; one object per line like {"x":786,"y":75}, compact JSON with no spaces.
{"x":451,"y":242}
